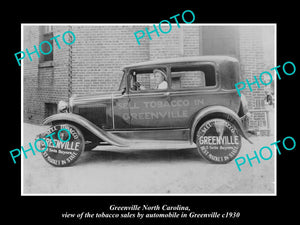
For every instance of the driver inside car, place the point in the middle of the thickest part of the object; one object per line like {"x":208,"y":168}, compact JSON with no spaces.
{"x":160,"y":77}
{"x":159,"y":81}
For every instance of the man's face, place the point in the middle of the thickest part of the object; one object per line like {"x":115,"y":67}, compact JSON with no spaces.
{"x":158,"y":77}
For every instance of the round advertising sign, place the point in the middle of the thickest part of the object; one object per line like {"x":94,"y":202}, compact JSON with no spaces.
{"x":218,"y":141}
{"x":64,"y":145}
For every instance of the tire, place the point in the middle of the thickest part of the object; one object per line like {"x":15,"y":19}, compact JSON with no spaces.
{"x":218,"y":141}
{"x":67,"y":147}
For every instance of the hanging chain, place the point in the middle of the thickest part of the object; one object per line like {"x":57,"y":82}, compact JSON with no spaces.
{"x":70,"y":64}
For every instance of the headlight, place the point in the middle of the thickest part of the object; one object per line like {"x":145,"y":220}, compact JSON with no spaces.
{"x":244,"y":103}
{"x":62,"y":107}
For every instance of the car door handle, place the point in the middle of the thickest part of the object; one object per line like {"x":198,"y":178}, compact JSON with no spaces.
{"x":167,"y":94}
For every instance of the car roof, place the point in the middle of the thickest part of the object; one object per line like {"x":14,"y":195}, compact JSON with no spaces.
{"x":208,"y":58}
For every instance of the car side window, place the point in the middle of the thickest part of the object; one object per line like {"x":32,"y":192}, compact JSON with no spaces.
{"x":196,"y":76}
{"x":148,"y":80}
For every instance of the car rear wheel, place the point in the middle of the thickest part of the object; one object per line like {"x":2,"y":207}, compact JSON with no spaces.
{"x":64,"y":146}
{"x":218,"y":140}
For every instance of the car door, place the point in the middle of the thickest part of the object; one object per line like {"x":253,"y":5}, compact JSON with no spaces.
{"x":120,"y":107}
{"x":120,"y":111}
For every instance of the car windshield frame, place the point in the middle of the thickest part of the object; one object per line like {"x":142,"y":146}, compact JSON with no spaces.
{"x":123,"y":82}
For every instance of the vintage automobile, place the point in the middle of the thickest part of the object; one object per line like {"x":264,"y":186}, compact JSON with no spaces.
{"x":186,"y":99}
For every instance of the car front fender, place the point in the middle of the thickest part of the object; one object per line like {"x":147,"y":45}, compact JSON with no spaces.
{"x":77,"y":119}
{"x":217,"y":112}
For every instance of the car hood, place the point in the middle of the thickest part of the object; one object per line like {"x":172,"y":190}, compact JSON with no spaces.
{"x":90,"y":98}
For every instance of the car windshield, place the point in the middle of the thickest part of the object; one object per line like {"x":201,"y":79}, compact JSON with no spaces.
{"x":123,"y":83}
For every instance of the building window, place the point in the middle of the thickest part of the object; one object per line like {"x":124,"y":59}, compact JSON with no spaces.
{"x":46,"y":35}
{"x":50,"y":109}
{"x":48,"y":29}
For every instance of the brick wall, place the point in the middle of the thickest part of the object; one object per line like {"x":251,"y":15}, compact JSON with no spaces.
{"x":166,"y":45}
{"x":221,"y":40}
{"x":252,"y":64}
{"x":183,"y":41}
{"x":30,"y":76}
{"x":99,"y":53}
{"x":44,"y":82}
{"x":192,"y":40}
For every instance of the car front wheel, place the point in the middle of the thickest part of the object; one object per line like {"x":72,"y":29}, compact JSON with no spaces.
{"x":64,"y":146}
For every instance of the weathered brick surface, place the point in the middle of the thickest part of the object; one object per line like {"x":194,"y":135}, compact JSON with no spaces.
{"x":251,"y":59}
{"x":30,"y":76}
{"x":100,"y":51}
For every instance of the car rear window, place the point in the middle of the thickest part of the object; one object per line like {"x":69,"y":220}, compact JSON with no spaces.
{"x":196,"y":76}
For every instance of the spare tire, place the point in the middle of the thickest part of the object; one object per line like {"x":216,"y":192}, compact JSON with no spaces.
{"x":65,"y":143}
{"x":218,"y":140}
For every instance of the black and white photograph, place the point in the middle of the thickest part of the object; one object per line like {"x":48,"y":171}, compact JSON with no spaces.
{"x":133,"y":115}
{"x":117,"y":109}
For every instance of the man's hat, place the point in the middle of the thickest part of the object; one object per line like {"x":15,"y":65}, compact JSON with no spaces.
{"x":161,"y":71}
